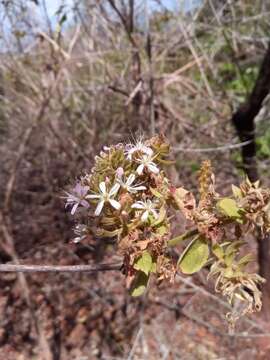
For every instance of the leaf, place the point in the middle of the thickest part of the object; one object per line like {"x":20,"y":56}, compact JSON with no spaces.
{"x":218,"y":251}
{"x":234,"y":247}
{"x":228,"y":273}
{"x":139,"y":284}
{"x":237,"y":191}
{"x":154,"y":267}
{"x":162,"y":230}
{"x":229,"y":208}
{"x":194,"y":256}
{"x":144,"y":262}
{"x":246,"y":259}
{"x":229,"y":258}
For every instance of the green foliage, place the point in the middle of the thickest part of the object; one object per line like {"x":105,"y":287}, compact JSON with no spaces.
{"x":139,"y":284}
{"x":263,"y":145}
{"x":238,"y":80}
{"x":144,"y":263}
{"x":194,"y":256}
{"x":229,"y":208}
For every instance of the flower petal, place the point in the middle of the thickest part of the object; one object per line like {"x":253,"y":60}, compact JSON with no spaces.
{"x":119,"y":172}
{"x":153,"y":168}
{"x":130,"y":179}
{"x":93,"y":196}
{"x":102,"y":187}
{"x":140,"y":169}
{"x":114,"y":189}
{"x":145,"y":216}
{"x":115,"y":204}
{"x":154,"y":212}
{"x":138,"y":205}
{"x":74,"y":208}
{"x":147,"y":150}
{"x":137,"y":188}
{"x":99,"y":207}
{"x":84,"y":203}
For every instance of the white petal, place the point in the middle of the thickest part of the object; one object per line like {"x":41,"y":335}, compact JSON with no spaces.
{"x":130,"y":179}
{"x":99,"y":207}
{"x":140,"y":169}
{"x":115,"y":204}
{"x":145,"y":215}
{"x":74,"y":208}
{"x":102,"y":187}
{"x":137,"y":188}
{"x":148,"y":150}
{"x":138,"y":205}
{"x":152,"y":167}
{"x":93,"y":197}
{"x":114,"y":189}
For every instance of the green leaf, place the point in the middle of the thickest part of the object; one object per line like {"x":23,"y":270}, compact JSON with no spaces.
{"x":144,"y":262}
{"x":139,"y":284}
{"x":218,"y":251}
{"x":237,"y":191}
{"x":154,"y":267}
{"x":162,"y":229}
{"x":229,"y":258}
{"x":234,"y":247}
{"x":194,"y":256}
{"x":229,"y":208}
{"x":246,"y":259}
{"x":228,"y":273}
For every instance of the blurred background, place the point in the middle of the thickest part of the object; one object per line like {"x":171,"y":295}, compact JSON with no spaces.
{"x":76,"y":75}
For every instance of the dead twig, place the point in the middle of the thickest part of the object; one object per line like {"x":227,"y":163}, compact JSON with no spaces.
{"x":19,"y":268}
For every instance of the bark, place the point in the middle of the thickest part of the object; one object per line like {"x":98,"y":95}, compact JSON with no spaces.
{"x":244,"y":122}
{"x":244,"y":118}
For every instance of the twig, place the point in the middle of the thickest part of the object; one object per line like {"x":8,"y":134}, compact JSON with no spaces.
{"x":212,"y":149}
{"x":58,"y":268}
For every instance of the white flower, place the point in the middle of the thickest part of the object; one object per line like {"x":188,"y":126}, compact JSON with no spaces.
{"x":139,"y":146}
{"x":148,"y":207}
{"x":127,"y":184}
{"x":146,"y":162}
{"x":76,"y":197}
{"x":105,"y":196}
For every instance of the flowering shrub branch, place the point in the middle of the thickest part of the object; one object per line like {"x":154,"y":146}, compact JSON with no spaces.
{"x":127,"y":196}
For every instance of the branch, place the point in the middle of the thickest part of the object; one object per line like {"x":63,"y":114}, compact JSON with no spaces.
{"x":59,"y":268}
{"x":243,"y":118}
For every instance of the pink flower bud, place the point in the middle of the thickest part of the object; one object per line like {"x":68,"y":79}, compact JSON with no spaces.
{"x":120,"y":172}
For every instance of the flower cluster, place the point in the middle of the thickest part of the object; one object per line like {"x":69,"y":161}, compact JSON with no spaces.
{"x":128,"y":197}
{"x":125,"y":197}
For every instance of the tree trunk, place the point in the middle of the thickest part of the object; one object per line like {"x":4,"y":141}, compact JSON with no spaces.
{"x":243,"y":118}
{"x":244,"y":122}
